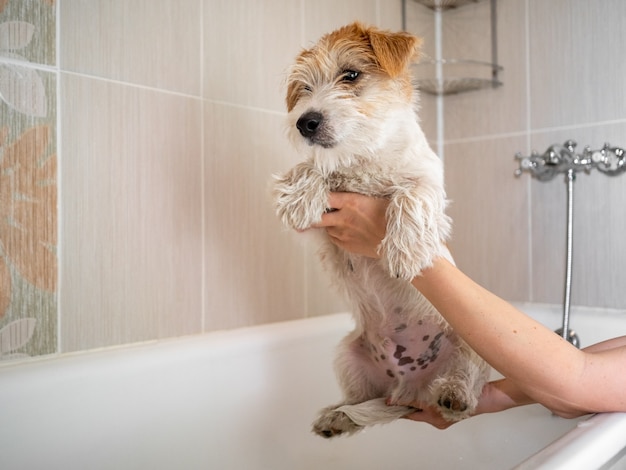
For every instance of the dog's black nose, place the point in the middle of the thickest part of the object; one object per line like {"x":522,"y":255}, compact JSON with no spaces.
{"x":309,"y":123}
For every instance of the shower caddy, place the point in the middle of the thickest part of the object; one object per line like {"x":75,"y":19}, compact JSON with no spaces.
{"x":437,"y":76}
{"x":563,"y":159}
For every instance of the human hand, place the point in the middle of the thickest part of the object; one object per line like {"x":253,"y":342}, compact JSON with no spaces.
{"x":496,"y":396}
{"x":357,"y":223}
{"x":430,"y":415}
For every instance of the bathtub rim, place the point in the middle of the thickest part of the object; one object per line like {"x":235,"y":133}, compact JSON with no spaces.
{"x":584,"y":447}
{"x":211,"y":342}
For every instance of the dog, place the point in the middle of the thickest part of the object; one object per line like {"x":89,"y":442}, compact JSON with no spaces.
{"x":352,"y":110}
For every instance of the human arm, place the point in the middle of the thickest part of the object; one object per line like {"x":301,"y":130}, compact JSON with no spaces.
{"x":539,"y":366}
{"x":498,"y":395}
{"x":502,"y":394}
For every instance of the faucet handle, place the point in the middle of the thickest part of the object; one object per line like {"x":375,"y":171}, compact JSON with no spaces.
{"x":610,"y":160}
{"x":525,"y":164}
{"x":564,"y":159}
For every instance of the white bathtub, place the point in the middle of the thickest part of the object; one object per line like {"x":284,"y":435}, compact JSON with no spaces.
{"x":244,"y":400}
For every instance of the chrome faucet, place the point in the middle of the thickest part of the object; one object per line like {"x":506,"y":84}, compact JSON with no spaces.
{"x":560,"y":159}
{"x":563,"y":159}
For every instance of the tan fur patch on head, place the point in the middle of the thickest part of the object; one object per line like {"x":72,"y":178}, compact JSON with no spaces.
{"x":352,"y":47}
{"x":394,"y":51}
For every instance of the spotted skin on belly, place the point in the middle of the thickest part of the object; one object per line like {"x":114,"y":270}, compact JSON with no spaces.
{"x":410,"y":351}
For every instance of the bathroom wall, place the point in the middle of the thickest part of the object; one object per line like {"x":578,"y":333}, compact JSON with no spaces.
{"x":563,"y":79}
{"x":137,"y":140}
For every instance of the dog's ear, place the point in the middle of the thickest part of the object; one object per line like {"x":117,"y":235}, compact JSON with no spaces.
{"x":394,"y":51}
{"x":295,"y":85}
{"x":292,"y":94}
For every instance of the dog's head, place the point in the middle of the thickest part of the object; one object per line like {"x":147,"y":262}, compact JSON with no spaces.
{"x":346,"y":95}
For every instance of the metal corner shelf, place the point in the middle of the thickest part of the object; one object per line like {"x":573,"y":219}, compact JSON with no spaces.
{"x":444,"y":4}
{"x":452,"y":84}
{"x":440,"y":78}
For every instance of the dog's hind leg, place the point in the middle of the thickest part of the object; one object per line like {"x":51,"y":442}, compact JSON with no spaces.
{"x":457,"y":390}
{"x":375,"y":411}
{"x":364,"y":388}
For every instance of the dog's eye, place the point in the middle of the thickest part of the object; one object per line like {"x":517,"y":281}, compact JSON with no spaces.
{"x":350,"y":75}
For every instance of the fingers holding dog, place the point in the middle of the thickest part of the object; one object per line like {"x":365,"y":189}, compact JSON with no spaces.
{"x":430,"y":415}
{"x":355,"y":223}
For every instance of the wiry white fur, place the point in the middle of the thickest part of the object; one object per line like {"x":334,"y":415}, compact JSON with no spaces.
{"x":374,"y":411}
{"x":375,"y":146}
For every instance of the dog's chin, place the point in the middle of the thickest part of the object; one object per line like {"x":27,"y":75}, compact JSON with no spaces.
{"x":325,"y":144}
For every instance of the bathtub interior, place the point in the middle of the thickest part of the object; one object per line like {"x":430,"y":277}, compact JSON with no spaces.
{"x":231,"y":400}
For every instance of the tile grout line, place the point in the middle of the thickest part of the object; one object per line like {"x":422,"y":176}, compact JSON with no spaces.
{"x":305,"y":251}
{"x":59,"y":179}
{"x":529,"y":196}
{"x":203,"y":137}
{"x":528,"y":132}
{"x":133,"y":85}
{"x":58,"y":70}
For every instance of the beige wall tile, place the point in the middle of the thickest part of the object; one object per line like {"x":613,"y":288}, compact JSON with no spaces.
{"x":156,"y":44}
{"x":131,"y":214}
{"x":248,"y":46}
{"x":467,"y":36}
{"x":324,"y":16}
{"x":322,"y":296}
{"x":576,"y":61}
{"x":255,"y":268}
{"x":389,"y":14}
{"x":490,"y":240}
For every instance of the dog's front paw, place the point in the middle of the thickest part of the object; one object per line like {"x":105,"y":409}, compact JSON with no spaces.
{"x":417,"y":228}
{"x":332,"y":422}
{"x":406,"y":256}
{"x":403,"y":263}
{"x":300,"y":197}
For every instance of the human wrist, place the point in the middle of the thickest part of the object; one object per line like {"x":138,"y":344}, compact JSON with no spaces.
{"x":501,"y":395}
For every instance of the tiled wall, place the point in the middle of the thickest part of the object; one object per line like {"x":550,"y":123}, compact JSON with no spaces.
{"x":167,"y":119}
{"x":135,"y":160}
{"x":563,"y":78}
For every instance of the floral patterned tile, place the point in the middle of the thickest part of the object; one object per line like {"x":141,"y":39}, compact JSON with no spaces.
{"x":28,"y":30}
{"x":28,"y":174}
